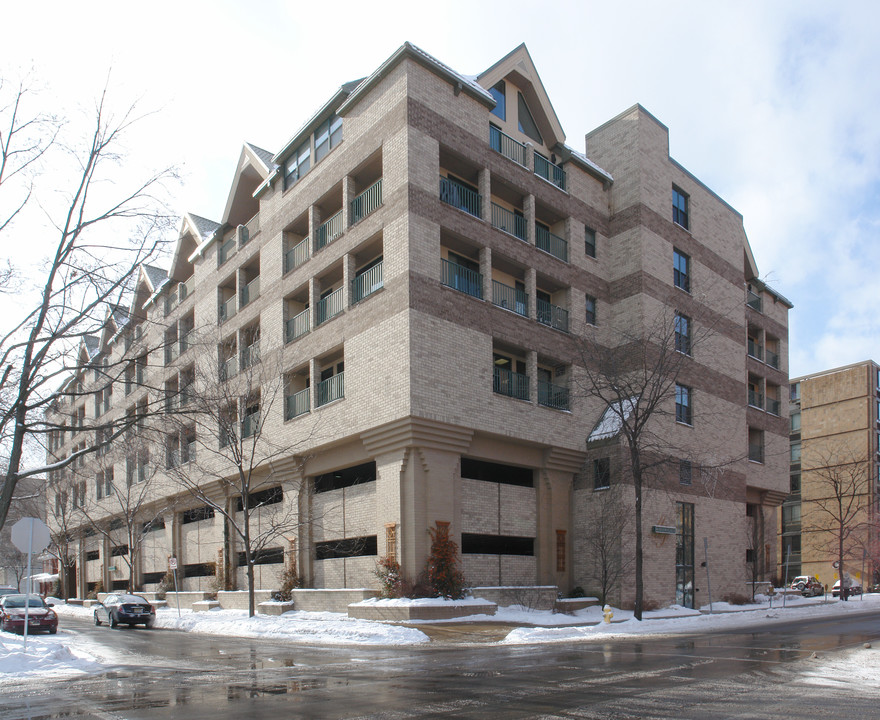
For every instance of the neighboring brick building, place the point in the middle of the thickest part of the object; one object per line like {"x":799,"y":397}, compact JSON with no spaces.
{"x":835,"y":438}
{"x":419,"y":263}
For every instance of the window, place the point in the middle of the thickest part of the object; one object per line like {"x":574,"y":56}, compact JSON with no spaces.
{"x":794,"y":392}
{"x":527,"y":124}
{"x":601,"y":473}
{"x":795,"y":453}
{"x":297,"y":165}
{"x":591,"y":310}
{"x":198,"y":514}
{"x":679,"y":207}
{"x":477,"y":544}
{"x":684,"y":472}
{"x":327,"y":136}
{"x":795,"y":484}
{"x":683,"y":334}
{"x":104,"y":483}
{"x":795,"y":422}
{"x":684,"y":554}
{"x":345,"y":477}
{"x":497,"y":91}
{"x":590,"y":242}
{"x":496,"y":472}
{"x":681,"y":270}
{"x":683,"y":405}
{"x":349,"y":547}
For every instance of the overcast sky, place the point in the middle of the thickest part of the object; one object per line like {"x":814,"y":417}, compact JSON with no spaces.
{"x":774,"y":105}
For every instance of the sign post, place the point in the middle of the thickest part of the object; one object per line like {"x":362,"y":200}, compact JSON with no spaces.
{"x":29,"y":535}
{"x":172,"y":565}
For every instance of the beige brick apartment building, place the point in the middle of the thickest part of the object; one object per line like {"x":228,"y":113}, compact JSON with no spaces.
{"x":417,"y":266}
{"x":835,"y":438}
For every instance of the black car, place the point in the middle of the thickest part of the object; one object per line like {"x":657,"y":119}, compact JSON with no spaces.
{"x":126,"y":609}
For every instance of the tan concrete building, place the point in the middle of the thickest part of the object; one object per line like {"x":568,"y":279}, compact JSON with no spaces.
{"x":415,"y":270}
{"x":835,"y":475}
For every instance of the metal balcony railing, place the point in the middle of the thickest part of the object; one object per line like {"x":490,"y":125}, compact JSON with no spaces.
{"x":226,"y":251}
{"x":509,"y":383}
{"x":250,"y":424}
{"x":550,"y":243}
{"x":367,"y":202}
{"x":333,"y":388}
{"x":296,"y":404}
{"x":250,"y":355}
{"x":550,"y":171}
{"x":462,"y":279}
{"x":773,"y":406}
{"x":171,"y":302}
{"x":186,"y":288}
{"x":296,"y":256}
{"x":552,"y":315}
{"x":553,"y":396}
{"x":328,"y":307}
{"x":250,"y":292}
{"x":367,"y":283}
{"x":171,"y":352}
{"x":328,"y":231}
{"x":510,"y":298}
{"x":500,"y":142}
{"x":756,"y":399}
{"x":771,"y":358}
{"x":186,"y":341}
{"x":461,"y":197}
{"x":247,"y":231}
{"x":755,"y":349}
{"x":508,"y":221}
{"x":297,"y":326}
{"x":753,"y":300}
{"x":228,"y":368}
{"x":226,"y":310}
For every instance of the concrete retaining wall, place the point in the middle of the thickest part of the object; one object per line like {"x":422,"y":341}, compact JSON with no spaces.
{"x":402,"y":613}
{"x":534,"y":597}
{"x":336,"y":600}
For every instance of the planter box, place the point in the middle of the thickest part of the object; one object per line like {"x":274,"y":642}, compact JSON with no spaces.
{"x":404,"y":612}
{"x":570,"y":605}
{"x":336,"y":600}
{"x":275,"y":608}
{"x":238,"y":599}
{"x":533,"y":597}
{"x":204,"y":605}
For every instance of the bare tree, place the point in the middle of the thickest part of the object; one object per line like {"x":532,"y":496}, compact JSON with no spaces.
{"x":244,"y":473}
{"x":66,"y":527}
{"x":603,"y":539}
{"x":837,"y":517}
{"x":632,"y":372}
{"x":102,"y":231}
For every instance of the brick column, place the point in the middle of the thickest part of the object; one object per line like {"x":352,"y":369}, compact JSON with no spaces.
{"x":485,"y":186}
{"x":349,"y":192}
{"x":532,"y":290}
{"x":348,"y":271}
{"x":532,"y":372}
{"x":486,"y":271}
{"x":529,"y":212}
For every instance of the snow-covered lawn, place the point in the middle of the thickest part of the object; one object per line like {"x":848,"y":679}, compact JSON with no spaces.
{"x":68,"y":655}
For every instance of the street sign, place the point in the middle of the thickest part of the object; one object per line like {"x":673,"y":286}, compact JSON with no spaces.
{"x":30,"y":535}
{"x":172,"y":563}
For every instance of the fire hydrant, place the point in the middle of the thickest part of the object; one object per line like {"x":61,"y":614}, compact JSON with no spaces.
{"x":607,"y":613}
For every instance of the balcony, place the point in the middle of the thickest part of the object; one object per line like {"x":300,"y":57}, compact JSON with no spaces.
{"x":226,"y":251}
{"x":553,"y":396}
{"x":333,"y":388}
{"x":461,"y":197}
{"x":228,"y":368}
{"x":328,"y":307}
{"x":753,"y":300}
{"x":549,"y":171}
{"x":186,"y":289}
{"x":552,"y":315}
{"x":248,"y":230}
{"x":756,"y":399}
{"x":462,"y":279}
{"x":171,"y":302}
{"x":250,"y":355}
{"x":367,"y":202}
{"x":296,"y":404}
{"x":367,"y":283}
{"x":773,"y":406}
{"x":226,"y":310}
{"x":297,"y":326}
{"x":171,"y":352}
{"x":250,"y":292}
{"x":186,"y":341}
{"x":250,"y":425}
{"x":508,"y":221}
{"x":510,"y":298}
{"x":550,"y":243}
{"x":509,"y":383}
{"x":296,"y":256}
{"x":771,"y":358}
{"x":502,"y":143}
{"x":755,"y":349}
{"x":328,"y":231}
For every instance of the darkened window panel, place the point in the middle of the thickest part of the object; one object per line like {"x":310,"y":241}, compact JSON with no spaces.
{"x":683,"y":411}
{"x":270,"y":496}
{"x":151,"y":578}
{"x":266,"y":556}
{"x":683,"y":334}
{"x":496,"y":472}
{"x":527,"y":124}
{"x":93,"y":555}
{"x":590,"y":242}
{"x":601,"y":473}
{"x":119,"y":585}
{"x":117,"y":523}
{"x":346,"y":477}
{"x":679,"y":207}
{"x":474,"y":544}
{"x":497,"y":92}
{"x":197,"y":514}
{"x":157,"y":524}
{"x":681,"y":270}
{"x":684,"y":472}
{"x":590,"y":310}
{"x":199,"y":570}
{"x":349,"y":547}
{"x":119,"y":550}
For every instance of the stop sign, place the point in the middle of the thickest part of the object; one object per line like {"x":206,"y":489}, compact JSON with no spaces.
{"x":30,"y":534}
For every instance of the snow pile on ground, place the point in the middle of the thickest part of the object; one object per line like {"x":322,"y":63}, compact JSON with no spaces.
{"x":46,"y":655}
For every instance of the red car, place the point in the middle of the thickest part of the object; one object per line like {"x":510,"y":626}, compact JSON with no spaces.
{"x":41,"y":617}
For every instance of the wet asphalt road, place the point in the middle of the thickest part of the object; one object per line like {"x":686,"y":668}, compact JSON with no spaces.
{"x":723,"y":675}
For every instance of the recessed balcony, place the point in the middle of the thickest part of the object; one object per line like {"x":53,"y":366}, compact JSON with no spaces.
{"x":553,"y":396}
{"x":463,"y":279}
{"x":328,"y":307}
{"x":366,"y":203}
{"x":328,"y":231}
{"x":367,"y":283}
{"x":296,"y":255}
{"x":550,"y":171}
{"x":502,"y":143}
{"x":509,"y":383}
{"x":459,"y":196}
{"x":333,"y":388}
{"x":552,"y":315}
{"x":296,"y":404}
{"x":297,"y":326}
{"x":510,"y":298}
{"x":550,"y":243}
{"x":508,"y":221}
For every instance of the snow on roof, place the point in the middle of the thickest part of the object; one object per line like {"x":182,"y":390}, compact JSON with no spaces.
{"x":580,"y":157}
{"x":264,"y":155}
{"x":157,"y":276}
{"x":612,"y":420}
{"x":205,"y":227}
{"x":92,"y":345}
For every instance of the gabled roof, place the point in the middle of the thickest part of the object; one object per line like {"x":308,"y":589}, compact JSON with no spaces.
{"x":253,"y":168}
{"x":612,"y":420}
{"x":155,"y":279}
{"x":202,"y":231}
{"x":91,"y":345}
{"x":264,"y":155}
